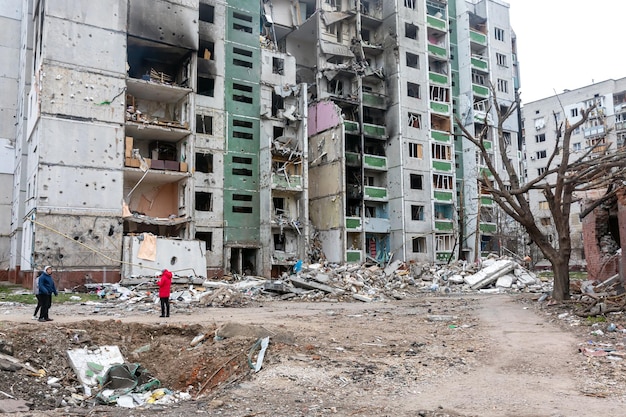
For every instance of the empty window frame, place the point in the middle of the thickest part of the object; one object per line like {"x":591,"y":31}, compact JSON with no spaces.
{"x":242,"y":22}
{"x":574,"y":112}
{"x":419,"y":244}
{"x":417,"y":213}
{"x":443,"y":182}
{"x":279,"y":241}
{"x":278,"y":66}
{"x":542,"y":154}
{"x":412,"y":60}
{"x":478,"y":78}
{"x":279,"y":206}
{"x":501,"y":59}
{"x":207,"y":238}
{"x":440,"y":94}
{"x":541,"y":171}
{"x":543,"y":205}
{"x":413,"y":90}
{"x":204,"y":201}
{"x":540,"y":138}
{"x":498,"y":34}
{"x":204,"y":162}
{"x":242,"y":93}
{"x":410,"y":31}
{"x":417,"y":181}
{"x":546,"y":221}
{"x":416,"y":150}
{"x":206,"y":86}
{"x":204,"y":124}
{"x":410,"y":4}
{"x":441,"y":152}
{"x":578,"y":146}
{"x":206,"y":13}
{"x":415,"y":120}
{"x":444,"y":243}
{"x":206,"y":50}
{"x":242,"y":58}
{"x":503,"y":85}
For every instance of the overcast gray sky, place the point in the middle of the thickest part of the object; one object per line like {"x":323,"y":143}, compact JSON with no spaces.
{"x":568,"y":44}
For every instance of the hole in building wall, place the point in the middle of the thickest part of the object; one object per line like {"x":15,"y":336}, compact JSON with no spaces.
{"x":173,"y":260}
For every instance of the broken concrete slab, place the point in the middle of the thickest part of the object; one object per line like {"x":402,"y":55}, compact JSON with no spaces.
{"x":505,"y":281}
{"x":490,"y":274}
{"x":311,"y":285}
{"x":88,"y":364}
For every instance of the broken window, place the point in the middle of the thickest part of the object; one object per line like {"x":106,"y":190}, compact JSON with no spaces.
{"x":541,"y":154}
{"x":278,"y":132}
{"x":540,"y":138}
{"x":204,"y":162}
{"x":413,"y":90}
{"x":410,"y":31}
{"x":412,"y":60}
{"x":409,"y":4}
{"x":543,"y":205}
{"x":478,"y":78}
{"x":206,"y":13}
{"x":242,"y":209}
{"x":503,"y":85}
{"x":442,"y":182}
{"x":239,"y":127}
{"x":207,"y":238}
{"x":501,"y":59}
{"x":278,"y":66}
{"x":279,"y":241}
{"x":242,"y":58}
{"x":242,"y":160}
{"x":546,"y":221}
{"x":416,"y":181}
{"x":442,"y":152}
{"x":242,"y":22}
{"x":278,"y":103}
{"x":279,"y":206}
{"x":499,"y":34}
{"x":416,"y":150}
{"x":439,"y":94}
{"x":206,"y":50}
{"x":415,"y":120}
{"x":419,"y":245}
{"x":204,"y":201}
{"x":444,"y":243}
{"x":242,"y":197}
{"x":417,"y":212}
{"x":541,"y":171}
{"x":242,"y":93}
{"x":206,"y":86}
{"x":335,"y":86}
{"x":365,"y":35}
{"x":204,"y":124}
{"x":242,"y":171}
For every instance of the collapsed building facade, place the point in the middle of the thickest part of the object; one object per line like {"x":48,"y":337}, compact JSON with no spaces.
{"x":243,"y":136}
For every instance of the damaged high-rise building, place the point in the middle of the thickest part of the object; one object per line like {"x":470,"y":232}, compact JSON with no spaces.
{"x":243,"y":136}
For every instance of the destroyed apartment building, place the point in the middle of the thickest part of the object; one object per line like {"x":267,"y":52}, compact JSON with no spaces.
{"x":245,"y":136}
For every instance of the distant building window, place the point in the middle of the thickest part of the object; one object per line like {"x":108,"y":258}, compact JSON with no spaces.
{"x":540,"y":138}
{"x":499,"y":34}
{"x":204,"y":201}
{"x":576,"y":146}
{"x":204,"y":162}
{"x":207,"y":238}
{"x":410,"y":31}
{"x":409,"y":4}
{"x":206,"y":86}
{"x":541,"y":154}
{"x":543,"y":205}
{"x":412,"y":60}
{"x":574,"y":112}
{"x":278,"y":66}
{"x":417,"y":181}
{"x":417,"y":212}
{"x":501,"y":59}
{"x":416,"y":150}
{"x":419,"y":245}
{"x":545,"y":221}
{"x":442,"y":152}
{"x":206,"y":12}
{"x":413,"y":90}
{"x":444,"y":243}
{"x":503,"y":85}
{"x":242,"y":22}
{"x":443,"y":182}
{"x":204,"y":124}
{"x":541,"y":171}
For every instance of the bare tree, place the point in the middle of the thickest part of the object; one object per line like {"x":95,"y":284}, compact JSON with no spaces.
{"x":565,"y":174}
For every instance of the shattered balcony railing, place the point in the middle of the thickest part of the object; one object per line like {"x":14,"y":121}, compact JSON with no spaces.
{"x":284,"y":221}
{"x":285,"y":181}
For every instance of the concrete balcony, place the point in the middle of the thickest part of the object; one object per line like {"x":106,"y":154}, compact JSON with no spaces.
{"x":437,"y":23}
{"x":441,"y":136}
{"x":375,"y":193}
{"x":438,"y":78}
{"x":375,"y":162}
{"x":444,"y":225}
{"x":353,"y":255}
{"x":440,"y":107}
{"x":480,"y":64}
{"x":376,"y":225}
{"x":287,"y":183}
{"x":437,"y":51}
{"x":374,"y":100}
{"x":488,"y":227}
{"x":445,"y":196}
{"x":375,"y":131}
{"x":353,"y":224}
{"x":478,"y":38}
{"x":480,"y":90}
{"x":445,"y":166}
{"x":353,"y":159}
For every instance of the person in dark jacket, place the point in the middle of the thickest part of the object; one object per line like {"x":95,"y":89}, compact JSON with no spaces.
{"x":39,"y":297}
{"x":46,"y":289}
{"x":165,"y":285}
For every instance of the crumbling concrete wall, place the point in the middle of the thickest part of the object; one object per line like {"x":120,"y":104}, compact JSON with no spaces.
{"x":601,"y":247}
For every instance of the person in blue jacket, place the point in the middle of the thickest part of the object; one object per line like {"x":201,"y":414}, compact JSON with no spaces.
{"x":46,"y":289}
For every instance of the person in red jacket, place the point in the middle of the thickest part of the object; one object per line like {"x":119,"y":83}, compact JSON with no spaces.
{"x":165,"y":284}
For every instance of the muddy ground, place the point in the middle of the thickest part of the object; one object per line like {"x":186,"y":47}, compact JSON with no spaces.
{"x":473,"y":355}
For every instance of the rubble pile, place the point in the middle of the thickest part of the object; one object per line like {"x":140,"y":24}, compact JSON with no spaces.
{"x":599,"y":297}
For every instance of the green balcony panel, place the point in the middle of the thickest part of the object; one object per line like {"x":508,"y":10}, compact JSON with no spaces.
{"x":437,"y":51}
{"x":437,"y":78}
{"x":480,"y":64}
{"x":486,"y":201}
{"x":443,"y":195}
{"x":485,"y":171}
{"x":436,"y":23}
{"x":294,"y":182}
{"x":374,"y":130}
{"x":374,"y":100}
{"x":444,"y":225}
{"x":353,"y":159}
{"x":478,"y":37}
{"x":353,"y":255}
{"x":488,"y":227}
{"x":374,"y":162}
{"x":351,"y":127}
{"x":440,"y":136}
{"x":375,"y":192}
{"x":488,"y":144}
{"x":442,"y":165}
{"x":443,"y":256}
{"x":439,"y":107}
{"x":353,"y":223}
{"x":480,"y":90}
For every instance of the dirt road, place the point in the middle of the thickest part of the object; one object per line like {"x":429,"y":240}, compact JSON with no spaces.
{"x":454,"y":356}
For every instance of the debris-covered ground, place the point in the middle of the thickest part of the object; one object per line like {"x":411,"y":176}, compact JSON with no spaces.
{"x":400,"y":347}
